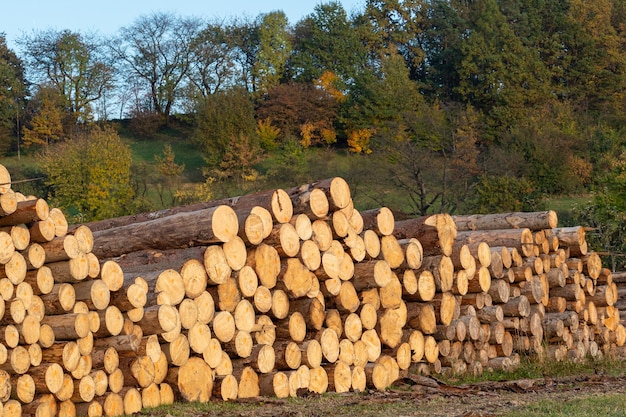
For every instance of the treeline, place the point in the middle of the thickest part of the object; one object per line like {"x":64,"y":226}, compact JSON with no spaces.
{"x":472,"y":105}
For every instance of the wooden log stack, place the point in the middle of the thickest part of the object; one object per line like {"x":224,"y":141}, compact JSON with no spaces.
{"x":278,"y":293}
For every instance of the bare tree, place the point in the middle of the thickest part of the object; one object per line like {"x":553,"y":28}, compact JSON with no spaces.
{"x":74,"y":64}
{"x":155,"y":51}
{"x":213,"y":55}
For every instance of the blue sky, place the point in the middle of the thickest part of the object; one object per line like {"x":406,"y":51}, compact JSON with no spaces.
{"x":106,"y":17}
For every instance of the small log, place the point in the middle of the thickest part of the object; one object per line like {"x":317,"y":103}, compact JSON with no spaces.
{"x":248,"y":383}
{"x":380,"y":220}
{"x":304,"y":199}
{"x":516,"y":307}
{"x":339,"y":377}
{"x":318,"y":382}
{"x":436,"y":233}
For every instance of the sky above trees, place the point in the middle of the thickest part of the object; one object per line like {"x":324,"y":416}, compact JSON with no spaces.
{"x":107,"y":17}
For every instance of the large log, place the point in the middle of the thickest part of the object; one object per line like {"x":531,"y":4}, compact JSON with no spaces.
{"x":276,"y":201}
{"x":521,"y":239}
{"x":197,"y":228}
{"x":518,"y":220}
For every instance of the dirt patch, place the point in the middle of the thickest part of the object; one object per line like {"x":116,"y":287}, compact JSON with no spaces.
{"x":413,"y":396}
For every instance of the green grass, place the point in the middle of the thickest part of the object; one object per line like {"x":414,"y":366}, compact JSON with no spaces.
{"x":563,"y":205}
{"x":178,"y":137}
{"x":531,"y":368}
{"x":146,"y":150}
{"x":606,"y":405}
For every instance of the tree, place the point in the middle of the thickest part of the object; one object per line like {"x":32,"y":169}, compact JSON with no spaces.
{"x":503,"y":193}
{"x":595,"y":72}
{"x":442,"y":33}
{"x":221,"y":117}
{"x":74,"y":64}
{"x":13,"y":90}
{"x":156,"y":51}
{"x":554,"y":147}
{"x":46,"y":115}
{"x":393,"y":26}
{"x":605,"y":214}
{"x":498,"y":75}
{"x":245,"y":35}
{"x":238,"y":163}
{"x":169,"y":172}
{"x":274,"y":49}
{"x":380,"y":97}
{"x":435,"y":158}
{"x":90,"y":174}
{"x":300,"y":110}
{"x":212,"y":63}
{"x":326,"y":41}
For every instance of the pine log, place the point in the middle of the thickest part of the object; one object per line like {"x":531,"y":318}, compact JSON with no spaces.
{"x":40,"y":280}
{"x":572,"y":238}
{"x":426,"y":287}
{"x":212,"y":225}
{"x":371,"y":274}
{"x":521,"y":239}
{"x":194,"y":380}
{"x":7,"y":248}
{"x":442,"y":270}
{"x":389,"y":327}
{"x":8,"y":203}
{"x":42,"y":231}
{"x":274,"y":201}
{"x":421,"y":317}
{"x":339,"y":377}
{"x":372,"y":244}
{"x":15,"y":269}
{"x":226,"y":387}
{"x":436,"y":233}
{"x":20,"y":235}
{"x":287,"y":355}
{"x":28,"y":211}
{"x":94,"y":292}
{"x":318,"y":382}
{"x":446,"y":307}
{"x":380,"y":220}
{"x":531,"y":220}
{"x":516,"y":307}
{"x":304,"y":199}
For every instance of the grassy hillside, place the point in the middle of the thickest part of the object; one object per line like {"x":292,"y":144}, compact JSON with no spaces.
{"x":368,"y":175}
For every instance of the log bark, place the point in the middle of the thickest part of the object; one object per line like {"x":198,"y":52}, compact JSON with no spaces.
{"x":202,"y":227}
{"x":521,"y":239}
{"x":436,"y":233}
{"x":517,"y":220}
{"x":28,"y":211}
{"x":380,"y":220}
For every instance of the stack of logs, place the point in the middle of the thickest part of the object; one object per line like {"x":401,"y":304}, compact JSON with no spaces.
{"x":278,"y":293}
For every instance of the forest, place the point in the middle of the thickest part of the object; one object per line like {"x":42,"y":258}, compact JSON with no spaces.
{"x":424,"y":106}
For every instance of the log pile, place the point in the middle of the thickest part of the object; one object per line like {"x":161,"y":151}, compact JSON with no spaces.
{"x":278,"y":293}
